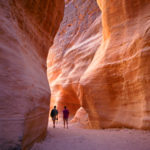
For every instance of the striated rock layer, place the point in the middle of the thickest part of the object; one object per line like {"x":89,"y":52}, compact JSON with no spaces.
{"x":27,"y":31}
{"x":74,"y":46}
{"x":111,"y":82}
{"x":114,"y":90}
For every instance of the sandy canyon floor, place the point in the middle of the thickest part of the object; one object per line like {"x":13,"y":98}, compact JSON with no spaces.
{"x":76,"y":138}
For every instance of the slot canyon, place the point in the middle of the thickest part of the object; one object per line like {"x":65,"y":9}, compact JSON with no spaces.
{"x":92,"y":56}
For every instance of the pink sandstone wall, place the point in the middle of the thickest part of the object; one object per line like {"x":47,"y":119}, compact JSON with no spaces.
{"x":27,"y":31}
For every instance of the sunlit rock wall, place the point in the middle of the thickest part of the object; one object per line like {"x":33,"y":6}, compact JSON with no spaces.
{"x":27,"y":30}
{"x":81,"y":118}
{"x":115,"y":88}
{"x":74,"y":46}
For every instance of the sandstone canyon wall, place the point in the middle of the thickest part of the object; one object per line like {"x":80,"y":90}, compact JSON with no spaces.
{"x":115,"y":87}
{"x":27,"y":31}
{"x":74,"y":46}
{"x":111,"y":82}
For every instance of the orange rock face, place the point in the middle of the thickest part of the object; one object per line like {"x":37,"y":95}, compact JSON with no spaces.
{"x":74,"y":46}
{"x":111,"y":82}
{"x":115,"y":88}
{"x":27,"y":31}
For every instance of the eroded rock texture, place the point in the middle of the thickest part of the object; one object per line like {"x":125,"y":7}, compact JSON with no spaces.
{"x":112,"y":84}
{"x":74,"y":46}
{"x":27,"y":31}
{"x":115,"y":87}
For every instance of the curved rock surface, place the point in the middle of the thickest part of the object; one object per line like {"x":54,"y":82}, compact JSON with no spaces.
{"x":115,"y":87}
{"x":81,"y":118}
{"x":74,"y":46}
{"x":111,"y":82}
{"x":27,"y":31}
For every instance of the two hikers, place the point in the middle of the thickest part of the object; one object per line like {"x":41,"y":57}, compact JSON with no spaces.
{"x":54,"y":115}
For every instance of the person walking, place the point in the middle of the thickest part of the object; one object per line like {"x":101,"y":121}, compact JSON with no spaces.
{"x":65,"y":116}
{"x":54,"y":115}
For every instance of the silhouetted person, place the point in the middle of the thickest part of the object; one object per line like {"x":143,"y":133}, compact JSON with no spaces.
{"x":54,"y":115}
{"x":65,"y":116}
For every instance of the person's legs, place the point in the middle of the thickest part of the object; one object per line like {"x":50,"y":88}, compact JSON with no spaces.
{"x":53,"y":122}
{"x":64,"y":122}
{"x":67,"y":122}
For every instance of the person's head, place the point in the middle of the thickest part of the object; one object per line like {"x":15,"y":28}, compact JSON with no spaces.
{"x":65,"y":107}
{"x":54,"y":107}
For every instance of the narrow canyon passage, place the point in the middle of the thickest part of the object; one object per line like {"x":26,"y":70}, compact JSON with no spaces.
{"x":76,"y":138}
{"x":100,"y":71}
{"x":99,"y":60}
{"x":92,"y":56}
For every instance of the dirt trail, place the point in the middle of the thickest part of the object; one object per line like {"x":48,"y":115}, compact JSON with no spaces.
{"x":76,"y":138}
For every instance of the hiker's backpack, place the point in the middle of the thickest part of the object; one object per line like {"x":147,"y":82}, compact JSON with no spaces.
{"x":54,"y":112}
